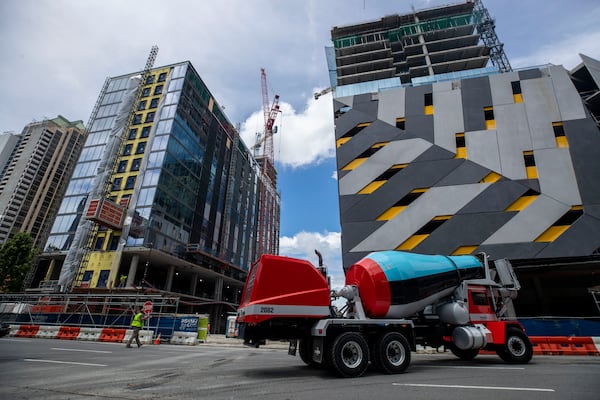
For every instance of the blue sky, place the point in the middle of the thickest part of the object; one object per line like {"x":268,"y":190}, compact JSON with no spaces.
{"x":56,"y":55}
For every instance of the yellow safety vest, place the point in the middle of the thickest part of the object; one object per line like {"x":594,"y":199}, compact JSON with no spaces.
{"x":137,"y":320}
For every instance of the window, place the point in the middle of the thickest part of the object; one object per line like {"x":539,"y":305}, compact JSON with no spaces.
{"x":99,"y":243}
{"x":561,"y":225}
{"x":130,"y":182}
{"x":423,"y":233}
{"x":122,"y":166}
{"x":516,"y":89}
{"x":132,"y":134}
{"x":145,"y":132}
{"x":559,"y":134}
{"x":479,"y":299}
{"x":150,"y":80}
{"x":154,"y":102}
{"x":127,"y":149}
{"x":530,"y":166}
{"x":117,"y":184}
{"x":461,"y":149}
{"x":162,"y":77}
{"x":158,"y":89}
{"x":150,"y":116}
{"x":141,"y":147}
{"x":428,"y":104}
{"x":146,"y":92}
{"x":401,"y":204}
{"x":142,"y":105}
{"x":114,"y":242}
{"x":490,"y":122}
{"x":137,"y":119}
{"x":135,"y":165}
{"x":364,"y":156}
{"x":401,"y":123}
{"x":382,"y":179}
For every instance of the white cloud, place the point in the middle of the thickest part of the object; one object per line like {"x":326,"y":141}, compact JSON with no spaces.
{"x":565,"y":52}
{"x":303,"y":246}
{"x":304,"y":138}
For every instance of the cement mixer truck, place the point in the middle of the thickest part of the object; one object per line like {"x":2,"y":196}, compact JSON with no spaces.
{"x":392,"y":302}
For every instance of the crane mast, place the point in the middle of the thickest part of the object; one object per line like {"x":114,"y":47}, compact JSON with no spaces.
{"x":268,"y":224}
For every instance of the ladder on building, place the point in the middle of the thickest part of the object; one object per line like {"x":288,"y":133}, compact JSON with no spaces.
{"x":89,"y":227}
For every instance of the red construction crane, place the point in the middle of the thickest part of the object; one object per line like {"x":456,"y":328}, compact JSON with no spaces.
{"x":268,"y":227}
{"x":270,"y":113}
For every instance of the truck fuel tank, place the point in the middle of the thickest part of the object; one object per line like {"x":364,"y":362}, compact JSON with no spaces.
{"x":397,"y":284}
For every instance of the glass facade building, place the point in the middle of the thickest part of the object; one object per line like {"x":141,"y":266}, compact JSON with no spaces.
{"x":187,"y":186}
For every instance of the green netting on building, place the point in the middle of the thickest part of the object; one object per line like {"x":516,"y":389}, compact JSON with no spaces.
{"x":411,"y":29}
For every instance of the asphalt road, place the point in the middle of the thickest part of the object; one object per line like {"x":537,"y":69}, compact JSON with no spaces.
{"x":59,"y":369}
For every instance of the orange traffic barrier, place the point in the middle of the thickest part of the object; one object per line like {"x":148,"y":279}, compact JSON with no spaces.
{"x":112,"y":335}
{"x":28,"y":331}
{"x":564,"y":345}
{"x":68,"y":333}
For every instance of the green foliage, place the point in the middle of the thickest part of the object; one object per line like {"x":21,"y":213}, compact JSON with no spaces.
{"x":16,"y":258}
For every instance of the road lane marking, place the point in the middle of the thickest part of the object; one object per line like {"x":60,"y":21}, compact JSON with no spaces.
{"x":473,"y":367}
{"x":86,"y":351}
{"x":64,"y":362}
{"x":474,"y":387}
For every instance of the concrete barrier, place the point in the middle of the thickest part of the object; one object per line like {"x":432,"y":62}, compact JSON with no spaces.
{"x":542,"y":345}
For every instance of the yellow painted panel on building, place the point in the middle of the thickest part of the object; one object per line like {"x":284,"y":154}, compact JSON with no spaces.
{"x":552,"y":233}
{"x":354,"y":164}
{"x":461,"y":152}
{"x":391,"y":213}
{"x":518,"y":98}
{"x":341,"y":141}
{"x":490,"y":124}
{"x":561,"y":141}
{"x":521,"y":203}
{"x":428,"y":110}
{"x":491,"y":177}
{"x":464,"y":250}
{"x":371,"y":187}
{"x":411,"y":242}
{"x":531,"y":172}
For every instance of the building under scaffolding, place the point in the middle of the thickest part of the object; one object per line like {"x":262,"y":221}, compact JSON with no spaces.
{"x":165,"y":198}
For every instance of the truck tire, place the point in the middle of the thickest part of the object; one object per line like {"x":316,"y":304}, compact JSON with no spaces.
{"x":350,"y":355}
{"x":305,"y":352}
{"x":465,"y":355}
{"x":517,"y":348}
{"x":392,"y":353}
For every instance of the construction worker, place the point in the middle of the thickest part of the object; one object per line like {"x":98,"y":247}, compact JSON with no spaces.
{"x":122,"y":280}
{"x":136,"y":324}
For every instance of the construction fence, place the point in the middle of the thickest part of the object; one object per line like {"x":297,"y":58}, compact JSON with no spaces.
{"x":104,"y":316}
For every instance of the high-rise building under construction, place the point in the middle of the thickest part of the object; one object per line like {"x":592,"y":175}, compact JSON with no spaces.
{"x":165,"y":195}
{"x":442,"y":148}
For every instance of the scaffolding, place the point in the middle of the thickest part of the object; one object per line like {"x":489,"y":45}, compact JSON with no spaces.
{"x":79,"y":253}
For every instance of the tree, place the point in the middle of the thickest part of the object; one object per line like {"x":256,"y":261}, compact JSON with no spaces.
{"x":16,"y":259}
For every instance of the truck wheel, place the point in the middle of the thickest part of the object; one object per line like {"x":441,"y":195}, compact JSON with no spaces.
{"x":392,"y":353}
{"x":305,"y":352}
{"x":517,"y":349}
{"x":465,"y":355}
{"x":350,"y":355}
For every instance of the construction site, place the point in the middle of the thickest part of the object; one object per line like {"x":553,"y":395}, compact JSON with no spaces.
{"x":166,"y":204}
{"x":441,"y":148}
